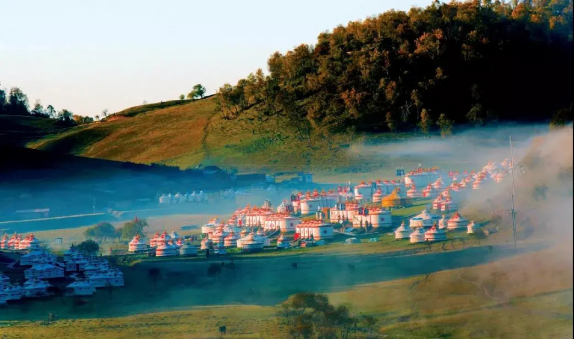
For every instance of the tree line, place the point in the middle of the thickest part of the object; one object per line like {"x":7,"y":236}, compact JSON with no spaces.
{"x":104,"y":231}
{"x":430,"y":68}
{"x":15,"y":102}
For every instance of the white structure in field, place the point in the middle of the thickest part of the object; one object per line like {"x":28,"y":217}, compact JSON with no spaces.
{"x":316,"y":229}
{"x":30,"y":242}
{"x":457,"y":222}
{"x":375,"y":217}
{"x":281,"y":221}
{"x":13,"y":292}
{"x":435,"y":234}
{"x":418,"y":235}
{"x":35,"y":287}
{"x":343,"y":212}
{"x":103,"y":279}
{"x":37,"y":257}
{"x":80,"y":287}
{"x":231,"y":240}
{"x":425,"y":219}
{"x":471,"y":228}
{"x":137,"y":244}
{"x":4,"y":242}
{"x":413,"y":192}
{"x":403,"y":231}
{"x":188,"y":250}
{"x":44,"y":271}
{"x":251,"y":244}
{"x":443,"y":223}
{"x":422,"y":177}
{"x":165,"y":249}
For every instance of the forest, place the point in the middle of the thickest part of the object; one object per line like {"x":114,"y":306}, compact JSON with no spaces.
{"x":459,"y":63}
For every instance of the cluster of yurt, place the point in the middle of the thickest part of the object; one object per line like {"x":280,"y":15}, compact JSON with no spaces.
{"x":315,"y":229}
{"x":422,"y":177}
{"x":311,"y":202}
{"x":178,"y":198}
{"x":283,"y":222}
{"x":373,"y":217}
{"x":17,"y":243}
{"x":164,"y":245}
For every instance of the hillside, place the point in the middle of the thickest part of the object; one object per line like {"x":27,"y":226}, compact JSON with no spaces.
{"x":194,"y":133}
{"x":20,"y":129}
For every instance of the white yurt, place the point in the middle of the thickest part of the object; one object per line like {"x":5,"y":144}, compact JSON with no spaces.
{"x":457,"y":222}
{"x":378,"y":196}
{"x":471,"y":228}
{"x":231,"y":240}
{"x":417,"y":236}
{"x":424,"y":219}
{"x":206,"y":243}
{"x":165,"y":249}
{"x":430,"y":192}
{"x":435,"y":234}
{"x":443,"y":222}
{"x":251,"y":244}
{"x":403,"y":231}
{"x":188,"y":250}
{"x":414,"y":193}
{"x":137,"y":244}
{"x":437,"y":203}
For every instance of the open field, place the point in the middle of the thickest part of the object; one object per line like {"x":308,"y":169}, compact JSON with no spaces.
{"x":528,"y":295}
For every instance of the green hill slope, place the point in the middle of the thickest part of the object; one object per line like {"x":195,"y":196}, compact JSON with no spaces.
{"x":193,"y":133}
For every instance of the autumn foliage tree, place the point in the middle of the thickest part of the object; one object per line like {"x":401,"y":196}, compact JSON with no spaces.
{"x":472,"y":61}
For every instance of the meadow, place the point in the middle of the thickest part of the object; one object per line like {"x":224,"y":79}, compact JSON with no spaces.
{"x":503,"y":299}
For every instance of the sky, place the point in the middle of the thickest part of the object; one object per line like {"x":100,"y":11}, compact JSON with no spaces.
{"x":91,"y":55}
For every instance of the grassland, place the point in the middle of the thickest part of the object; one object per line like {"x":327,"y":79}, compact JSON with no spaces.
{"x":185,"y":134}
{"x":526,"y":296}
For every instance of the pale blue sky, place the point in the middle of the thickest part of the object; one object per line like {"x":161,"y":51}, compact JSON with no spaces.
{"x":89,"y":55}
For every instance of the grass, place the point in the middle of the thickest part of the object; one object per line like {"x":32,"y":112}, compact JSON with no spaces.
{"x":446,"y":304}
{"x":187,"y":133}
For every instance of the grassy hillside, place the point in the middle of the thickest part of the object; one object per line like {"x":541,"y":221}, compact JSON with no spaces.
{"x":186,"y":134}
{"x":20,"y":129}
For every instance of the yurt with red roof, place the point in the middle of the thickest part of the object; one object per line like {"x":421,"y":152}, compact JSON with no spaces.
{"x":403,"y":231}
{"x":283,"y":242}
{"x":457,"y":222}
{"x":417,"y":236}
{"x":4,"y":243}
{"x":435,"y":233}
{"x":137,"y":244}
{"x":414,"y":193}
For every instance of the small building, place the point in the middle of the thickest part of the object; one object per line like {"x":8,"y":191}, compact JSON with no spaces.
{"x":457,"y":222}
{"x":137,"y":244}
{"x":251,"y":244}
{"x":403,"y":231}
{"x":165,"y":249}
{"x":35,"y":287}
{"x":37,"y":257}
{"x":435,"y":234}
{"x":316,"y":229}
{"x":188,"y":250}
{"x":80,"y":287}
{"x":418,"y":236}
{"x":44,"y":271}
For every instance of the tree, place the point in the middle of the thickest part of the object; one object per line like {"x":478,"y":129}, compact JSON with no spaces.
{"x":105,"y":113}
{"x":51,"y":111}
{"x":445,"y":125}
{"x":131,"y":228}
{"x":88,"y":247}
{"x":97,"y":117}
{"x":307,"y":315}
{"x":3,"y":104}
{"x":199,"y":90}
{"x":475,"y":115}
{"x":17,"y":102}
{"x":561,"y":117}
{"x":65,"y":115}
{"x":391,"y":124}
{"x":101,"y":232}
{"x":426,"y":121}
{"x":181,"y":97}
{"x":38,"y":109}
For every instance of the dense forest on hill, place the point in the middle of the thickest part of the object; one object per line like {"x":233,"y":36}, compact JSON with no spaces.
{"x":458,"y":63}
